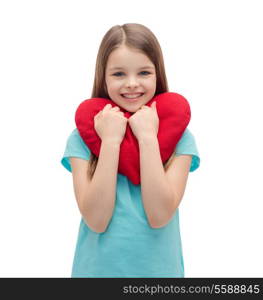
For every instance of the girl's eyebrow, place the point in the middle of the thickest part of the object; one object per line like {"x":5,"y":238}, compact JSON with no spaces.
{"x":120,"y":68}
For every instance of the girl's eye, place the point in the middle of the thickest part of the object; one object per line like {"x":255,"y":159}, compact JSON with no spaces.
{"x":145,"y":72}
{"x":120,"y":73}
{"x":117,"y":74}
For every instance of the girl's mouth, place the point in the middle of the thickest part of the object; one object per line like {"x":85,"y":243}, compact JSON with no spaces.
{"x":132,"y":97}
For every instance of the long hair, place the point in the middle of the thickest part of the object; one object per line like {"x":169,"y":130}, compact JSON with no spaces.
{"x":135,"y":36}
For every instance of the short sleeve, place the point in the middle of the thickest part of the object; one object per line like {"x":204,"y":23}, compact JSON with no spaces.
{"x":75,"y":147}
{"x":187,"y":145}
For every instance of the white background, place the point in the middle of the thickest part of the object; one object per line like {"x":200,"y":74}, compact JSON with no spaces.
{"x":213,"y":57}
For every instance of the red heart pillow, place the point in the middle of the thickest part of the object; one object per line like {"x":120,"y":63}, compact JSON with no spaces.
{"x":174,"y":116}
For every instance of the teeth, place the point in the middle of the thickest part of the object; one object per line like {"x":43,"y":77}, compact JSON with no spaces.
{"x":131,"y":96}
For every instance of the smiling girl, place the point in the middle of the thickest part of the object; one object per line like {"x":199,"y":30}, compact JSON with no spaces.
{"x":129,"y":230}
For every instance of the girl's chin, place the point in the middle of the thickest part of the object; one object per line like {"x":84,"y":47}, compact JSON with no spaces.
{"x":131,"y":106}
{"x":132,"y":109}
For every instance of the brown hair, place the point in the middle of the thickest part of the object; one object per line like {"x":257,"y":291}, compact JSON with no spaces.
{"x":134,"y":36}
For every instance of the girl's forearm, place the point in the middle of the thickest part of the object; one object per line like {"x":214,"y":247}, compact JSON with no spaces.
{"x":156,"y":194}
{"x":99,"y":202}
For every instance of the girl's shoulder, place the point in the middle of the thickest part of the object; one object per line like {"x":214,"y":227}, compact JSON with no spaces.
{"x":75,"y":139}
{"x":187,"y":146}
{"x":74,"y":134}
{"x":186,"y":138}
{"x":188,"y":134}
{"x":75,"y":147}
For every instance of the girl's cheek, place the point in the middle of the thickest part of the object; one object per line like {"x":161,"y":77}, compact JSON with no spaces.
{"x":116,"y":85}
{"x":113,"y":84}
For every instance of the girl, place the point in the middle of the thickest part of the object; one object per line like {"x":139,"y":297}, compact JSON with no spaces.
{"x":129,"y":230}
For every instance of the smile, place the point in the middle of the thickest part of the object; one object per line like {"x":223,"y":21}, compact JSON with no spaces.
{"x":132,"y":96}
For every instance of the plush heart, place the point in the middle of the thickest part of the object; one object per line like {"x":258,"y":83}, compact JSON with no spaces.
{"x":174,"y":115}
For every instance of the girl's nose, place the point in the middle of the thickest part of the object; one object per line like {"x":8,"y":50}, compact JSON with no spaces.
{"x":131,"y":82}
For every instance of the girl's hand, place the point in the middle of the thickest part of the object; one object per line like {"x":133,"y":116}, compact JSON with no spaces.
{"x":110,"y":124}
{"x":145,"y":122}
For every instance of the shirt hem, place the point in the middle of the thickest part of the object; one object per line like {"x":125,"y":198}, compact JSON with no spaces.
{"x":130,"y":276}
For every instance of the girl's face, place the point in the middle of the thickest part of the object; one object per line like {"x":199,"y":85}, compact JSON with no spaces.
{"x":130,"y":78}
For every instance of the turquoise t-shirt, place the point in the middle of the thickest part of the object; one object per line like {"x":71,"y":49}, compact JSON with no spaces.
{"x":129,"y":247}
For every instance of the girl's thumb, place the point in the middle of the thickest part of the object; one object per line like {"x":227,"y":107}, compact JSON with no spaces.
{"x":154,"y":105}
